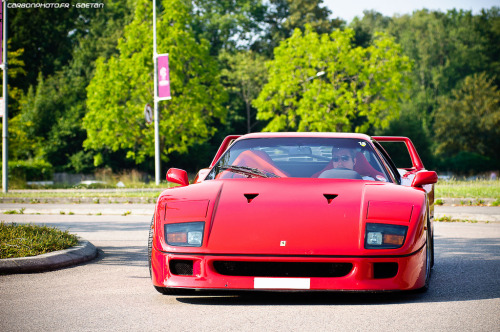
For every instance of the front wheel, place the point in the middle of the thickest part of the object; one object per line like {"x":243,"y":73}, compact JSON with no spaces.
{"x":162,"y":290}
{"x":174,"y":291}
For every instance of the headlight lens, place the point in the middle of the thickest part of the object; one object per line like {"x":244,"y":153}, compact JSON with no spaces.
{"x":188,"y":234}
{"x":384,"y":236}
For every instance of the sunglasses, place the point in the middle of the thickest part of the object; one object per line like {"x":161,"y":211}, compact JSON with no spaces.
{"x":344,"y":157}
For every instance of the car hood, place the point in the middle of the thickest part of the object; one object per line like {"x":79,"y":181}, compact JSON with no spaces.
{"x":288,"y":216}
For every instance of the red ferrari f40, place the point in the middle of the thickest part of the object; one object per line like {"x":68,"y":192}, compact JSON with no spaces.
{"x":296,"y":211}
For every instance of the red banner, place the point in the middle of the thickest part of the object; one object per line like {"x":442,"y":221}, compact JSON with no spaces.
{"x":163,"y":77}
{"x":1,"y":32}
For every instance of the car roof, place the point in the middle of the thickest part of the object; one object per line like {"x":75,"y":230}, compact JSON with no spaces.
{"x":306,"y":134}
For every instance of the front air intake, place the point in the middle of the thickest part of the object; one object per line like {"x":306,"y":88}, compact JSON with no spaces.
{"x":181,"y":267}
{"x":282,"y":269}
{"x":385,"y":270}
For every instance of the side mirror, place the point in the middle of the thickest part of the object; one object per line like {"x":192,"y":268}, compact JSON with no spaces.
{"x":178,"y":176}
{"x":423,"y":178}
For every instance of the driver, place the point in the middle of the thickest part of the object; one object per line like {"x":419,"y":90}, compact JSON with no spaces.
{"x":343,"y":158}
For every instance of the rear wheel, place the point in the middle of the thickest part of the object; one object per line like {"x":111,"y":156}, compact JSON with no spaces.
{"x":428,"y":260}
{"x":150,"y":244}
{"x":432,"y":244}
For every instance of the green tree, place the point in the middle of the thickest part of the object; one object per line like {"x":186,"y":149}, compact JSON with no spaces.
{"x":469,"y":119}
{"x":124,"y":84}
{"x":48,"y":125}
{"x":47,"y":36}
{"x":487,"y":23}
{"x":245,"y":75}
{"x":361,"y":87}
{"x":366,"y":26}
{"x":229,"y":24}
{"x":16,"y":70}
{"x":445,"y":48}
{"x":282,"y":17}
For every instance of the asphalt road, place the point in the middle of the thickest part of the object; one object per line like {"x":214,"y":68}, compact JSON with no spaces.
{"x":114,"y":292}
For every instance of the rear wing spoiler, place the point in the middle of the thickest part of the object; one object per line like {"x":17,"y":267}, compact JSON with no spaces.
{"x":223,"y":147}
{"x":415,"y":158}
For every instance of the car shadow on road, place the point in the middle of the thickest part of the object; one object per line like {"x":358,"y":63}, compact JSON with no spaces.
{"x":129,"y":256}
{"x":464,"y":270}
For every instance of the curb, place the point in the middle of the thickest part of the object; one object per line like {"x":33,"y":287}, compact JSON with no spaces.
{"x":466,"y":201}
{"x":83,"y":252}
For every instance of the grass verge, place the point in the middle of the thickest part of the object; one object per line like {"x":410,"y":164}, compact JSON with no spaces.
{"x":450,"y":219}
{"x":471,"y":190}
{"x":24,"y":240}
{"x":468,"y":189}
{"x":37,"y":196}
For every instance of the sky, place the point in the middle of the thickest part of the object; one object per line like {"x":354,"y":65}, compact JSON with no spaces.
{"x":348,"y":9}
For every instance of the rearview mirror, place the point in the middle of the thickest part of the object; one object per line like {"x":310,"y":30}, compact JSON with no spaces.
{"x":178,"y":176}
{"x":423,"y":178}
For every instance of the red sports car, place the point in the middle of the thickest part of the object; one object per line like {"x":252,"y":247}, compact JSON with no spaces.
{"x":296,"y":211}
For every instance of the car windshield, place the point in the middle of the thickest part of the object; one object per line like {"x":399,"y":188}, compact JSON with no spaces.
{"x":300,"y":157}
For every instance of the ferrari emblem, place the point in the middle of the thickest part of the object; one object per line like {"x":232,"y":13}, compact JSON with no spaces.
{"x":282,"y":243}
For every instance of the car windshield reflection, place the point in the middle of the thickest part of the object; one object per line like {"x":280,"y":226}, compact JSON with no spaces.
{"x":304,"y":157}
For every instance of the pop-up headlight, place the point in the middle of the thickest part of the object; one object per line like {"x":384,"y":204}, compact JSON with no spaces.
{"x":384,"y":236}
{"x":188,"y":234}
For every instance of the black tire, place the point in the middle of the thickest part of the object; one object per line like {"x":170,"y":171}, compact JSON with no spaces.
{"x":428,"y":260}
{"x":150,"y":245}
{"x":162,"y":290}
{"x":174,"y":291}
{"x":432,"y":245}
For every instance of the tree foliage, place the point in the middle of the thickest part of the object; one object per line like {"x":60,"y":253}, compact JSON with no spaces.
{"x":47,"y":37}
{"x":361,"y":87}
{"x":48,"y":123}
{"x":124,"y":84}
{"x":282,"y":17}
{"x":445,"y":49}
{"x":84,"y":75}
{"x":469,"y":119}
{"x":228,"y":24}
{"x":245,"y":74}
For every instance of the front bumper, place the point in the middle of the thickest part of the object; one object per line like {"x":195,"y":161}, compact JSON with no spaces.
{"x":359,"y":273}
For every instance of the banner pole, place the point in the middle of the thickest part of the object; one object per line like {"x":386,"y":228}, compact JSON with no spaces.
{"x":156,"y":112}
{"x":5,"y":122}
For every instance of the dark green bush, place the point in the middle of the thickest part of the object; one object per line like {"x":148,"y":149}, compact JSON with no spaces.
{"x":466,"y":163}
{"x":30,"y":170}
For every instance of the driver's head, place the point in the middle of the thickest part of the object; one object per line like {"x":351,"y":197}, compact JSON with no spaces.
{"x":343,"y":158}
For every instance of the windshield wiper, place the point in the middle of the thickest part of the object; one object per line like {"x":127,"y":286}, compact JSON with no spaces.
{"x":248,"y":171}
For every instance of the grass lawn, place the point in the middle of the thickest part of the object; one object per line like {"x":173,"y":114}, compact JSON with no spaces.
{"x":468,"y":189}
{"x":82,"y":193}
{"x":23,"y":240}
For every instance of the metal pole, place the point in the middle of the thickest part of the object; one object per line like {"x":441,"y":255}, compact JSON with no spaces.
{"x":156,"y":112}
{"x":5,"y":123}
